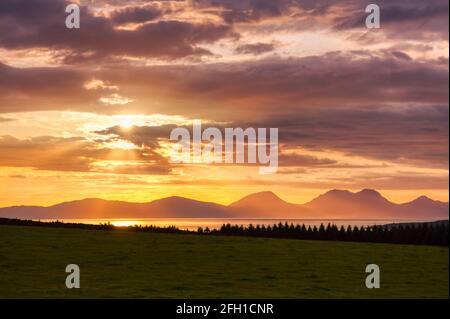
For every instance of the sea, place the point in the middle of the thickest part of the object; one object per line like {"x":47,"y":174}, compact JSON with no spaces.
{"x":216,"y":223}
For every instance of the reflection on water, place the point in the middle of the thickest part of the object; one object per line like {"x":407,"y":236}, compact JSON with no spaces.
{"x":215,"y":223}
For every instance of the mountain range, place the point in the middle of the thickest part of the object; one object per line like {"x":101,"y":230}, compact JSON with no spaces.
{"x":335,"y":204}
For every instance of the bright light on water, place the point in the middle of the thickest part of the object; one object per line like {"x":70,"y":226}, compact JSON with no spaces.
{"x":124,"y":223}
{"x":216,"y":223}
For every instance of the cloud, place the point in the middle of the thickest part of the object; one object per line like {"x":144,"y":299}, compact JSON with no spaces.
{"x":244,"y":90}
{"x":138,"y":14}
{"x":301,"y":160}
{"x":246,"y":10}
{"x":165,"y":33}
{"x":35,"y":89}
{"x":376,"y":103}
{"x":96,"y":84}
{"x":3,"y":119}
{"x":270,"y":86}
{"x":400,"y":181}
{"x":255,"y":48}
{"x":413,"y":19}
{"x":115,"y":99}
{"x":17,"y":176}
{"x":40,"y":24}
{"x":152,"y":136}
{"x":412,"y":136}
{"x":77,"y":154}
{"x":402,"y":19}
{"x":141,"y":135}
{"x":32,"y":89}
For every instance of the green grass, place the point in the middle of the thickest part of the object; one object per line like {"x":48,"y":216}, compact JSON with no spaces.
{"x":144,"y":265}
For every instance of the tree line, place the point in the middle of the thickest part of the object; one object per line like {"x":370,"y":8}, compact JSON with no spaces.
{"x":432,"y":233}
{"x":436,"y":233}
{"x":56,"y":224}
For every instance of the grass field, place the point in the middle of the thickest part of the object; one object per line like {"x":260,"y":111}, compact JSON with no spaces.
{"x":146,"y":265}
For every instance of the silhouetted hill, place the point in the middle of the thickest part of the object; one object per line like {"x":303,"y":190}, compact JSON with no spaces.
{"x":268,"y":205}
{"x":183,"y":207}
{"x":335,"y":204}
{"x":99,"y":208}
{"x":424,"y":205}
{"x":372,"y":205}
{"x":345,"y":204}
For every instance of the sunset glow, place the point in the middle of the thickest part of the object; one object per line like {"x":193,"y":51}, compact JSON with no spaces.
{"x":354,"y":108}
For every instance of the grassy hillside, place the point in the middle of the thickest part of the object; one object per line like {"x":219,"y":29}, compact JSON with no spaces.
{"x":145,"y":265}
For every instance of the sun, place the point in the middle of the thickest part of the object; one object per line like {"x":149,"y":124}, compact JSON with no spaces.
{"x":126,"y":121}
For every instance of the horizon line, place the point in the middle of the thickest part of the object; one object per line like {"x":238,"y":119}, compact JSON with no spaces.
{"x":229,"y":204}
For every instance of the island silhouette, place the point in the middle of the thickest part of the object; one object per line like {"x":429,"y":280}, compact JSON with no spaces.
{"x":334,"y":204}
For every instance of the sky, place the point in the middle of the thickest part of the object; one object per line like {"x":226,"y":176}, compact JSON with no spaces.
{"x":88,"y":112}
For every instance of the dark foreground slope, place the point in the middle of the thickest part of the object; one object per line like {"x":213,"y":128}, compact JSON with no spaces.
{"x":147,"y":265}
